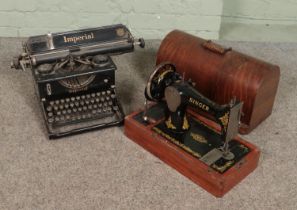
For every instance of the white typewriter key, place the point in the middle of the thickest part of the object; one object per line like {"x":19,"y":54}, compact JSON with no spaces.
{"x":92,"y":101}
{"x":74,"y":110}
{"x":49,"y":108}
{"x":71,"y":105}
{"x":83,"y":97}
{"x":104,"y":109}
{"x":87,"y":102}
{"x":51,"y":103}
{"x":115,"y":108}
{"x":67,"y":100}
{"x":95,"y":106}
{"x":99,"y":110}
{"x":62,"y":118}
{"x":97,"y":100}
{"x":78,"y":117}
{"x":105,"y":103}
{"x":110,"y":103}
{"x":62,"y":101}
{"x":77,"y":97}
{"x":88,"y":96}
{"x":89,"y":115}
{"x":79,"y":109}
{"x":76,"y":103}
{"x":107,"y":98}
{"x":64,"y":112}
{"x":67,"y":117}
{"x":82,"y":103}
{"x":93,"y":95}
{"x":102,"y":99}
{"x":57,"y":119}
{"x":84,"y":108}
{"x":108,"y":108}
{"x":50,"y":120}
{"x":69,"y":111}
{"x":94,"y":111}
{"x":66,"y":106}
{"x":50,"y":114}
{"x":72,"y":99}
{"x":98,"y":93}
{"x":57,"y":102}
{"x":112,"y":96}
{"x":103,"y":93}
{"x":56,"y":108}
{"x":100,"y":105}
{"x":90,"y":107}
{"x":58,"y":112}
{"x":108,"y":92}
{"x":83,"y":116}
{"x":61,"y":107}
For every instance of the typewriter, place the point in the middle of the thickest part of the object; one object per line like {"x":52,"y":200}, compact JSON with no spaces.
{"x":75,"y":77}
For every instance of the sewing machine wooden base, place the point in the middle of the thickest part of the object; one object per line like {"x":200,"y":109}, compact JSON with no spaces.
{"x":182,"y":152}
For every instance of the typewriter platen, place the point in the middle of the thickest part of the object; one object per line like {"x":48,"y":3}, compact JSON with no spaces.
{"x":75,"y":77}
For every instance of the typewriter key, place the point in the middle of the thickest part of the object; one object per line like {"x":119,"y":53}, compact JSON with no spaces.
{"x":87,"y":102}
{"x":88,"y":96}
{"x":57,"y":102}
{"x":102,"y":99}
{"x":83,"y":97}
{"x":62,"y":101}
{"x":84,"y":108}
{"x":50,"y":120}
{"x":94,"y":111}
{"x":67,"y":100}
{"x":103,"y":93}
{"x":89,"y":115}
{"x":50,"y":114}
{"x":74,"y":109}
{"x":51,"y":103}
{"x":98,"y":93}
{"x":64,"y":112}
{"x":100,"y":105}
{"x":77,"y":97}
{"x":67,"y":117}
{"x":56,"y":108}
{"x":76,"y":103}
{"x":90,"y":107}
{"x":95,"y":106}
{"x":99,"y":110}
{"x":69,"y":111}
{"x":66,"y":106}
{"x":82,"y":103}
{"x":110,"y":103}
{"x":72,"y":99}
{"x":79,"y":109}
{"x":49,"y":108}
{"x":92,"y":101}
{"x":108,"y":92}
{"x":78,"y":117}
{"x":61,"y":107}
{"x":107,"y":98}
{"x":58,"y":112}
{"x":104,"y":109}
{"x":97,"y":100}
{"x":57,"y":119}
{"x":105,"y":103}
{"x":115,"y":108}
{"x":71,"y":105}
{"x":112,"y":96}
{"x":84,"y":116}
{"x":93,"y":95}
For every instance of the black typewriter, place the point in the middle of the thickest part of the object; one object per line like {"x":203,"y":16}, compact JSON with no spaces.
{"x":75,"y":77}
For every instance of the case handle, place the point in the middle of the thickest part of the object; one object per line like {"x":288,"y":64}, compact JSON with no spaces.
{"x":216,"y":48}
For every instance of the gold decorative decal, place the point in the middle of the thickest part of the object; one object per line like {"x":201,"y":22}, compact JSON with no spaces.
{"x":169,"y":124}
{"x":198,"y":138}
{"x":224,"y":120}
{"x":76,"y":39}
{"x":161,"y":76}
{"x":223,"y":167}
{"x":199,"y":104}
{"x":173,"y":140}
{"x":120,"y":31}
{"x":186,"y":125}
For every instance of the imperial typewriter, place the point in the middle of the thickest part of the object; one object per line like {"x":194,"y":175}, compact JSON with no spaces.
{"x":75,"y":76}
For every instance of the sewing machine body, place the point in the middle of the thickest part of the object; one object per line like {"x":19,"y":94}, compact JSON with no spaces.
{"x":206,"y":150}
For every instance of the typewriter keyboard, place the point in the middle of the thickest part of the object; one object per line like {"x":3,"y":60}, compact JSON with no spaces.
{"x":81,"y":108}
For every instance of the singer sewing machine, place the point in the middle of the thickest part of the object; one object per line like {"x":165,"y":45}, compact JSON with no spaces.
{"x":75,"y":76}
{"x":192,"y":133}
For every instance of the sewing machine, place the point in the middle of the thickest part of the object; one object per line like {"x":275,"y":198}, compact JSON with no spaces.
{"x":193,"y":134}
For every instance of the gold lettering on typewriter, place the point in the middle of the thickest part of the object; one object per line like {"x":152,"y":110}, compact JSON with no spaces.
{"x":199,"y":104}
{"x":198,"y":138}
{"x":76,"y":39}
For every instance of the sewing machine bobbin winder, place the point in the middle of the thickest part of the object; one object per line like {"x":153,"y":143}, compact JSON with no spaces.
{"x":191,"y":133}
